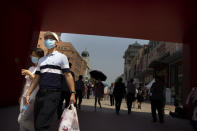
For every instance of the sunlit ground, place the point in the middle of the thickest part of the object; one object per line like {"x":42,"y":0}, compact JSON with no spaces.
{"x":88,"y":105}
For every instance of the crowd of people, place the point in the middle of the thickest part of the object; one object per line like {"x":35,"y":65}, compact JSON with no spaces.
{"x":132,"y":95}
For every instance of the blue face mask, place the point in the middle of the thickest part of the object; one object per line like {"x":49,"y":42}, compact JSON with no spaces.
{"x":49,"y":43}
{"x":34,"y":59}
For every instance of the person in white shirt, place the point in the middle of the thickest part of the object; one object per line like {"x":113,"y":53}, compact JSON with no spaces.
{"x":25,"y":118}
{"x":49,"y":75}
{"x":111,"y":94}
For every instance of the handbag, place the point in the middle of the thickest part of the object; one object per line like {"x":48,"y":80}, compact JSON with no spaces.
{"x":69,"y":119}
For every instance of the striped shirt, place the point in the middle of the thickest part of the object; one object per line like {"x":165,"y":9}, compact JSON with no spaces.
{"x":51,"y":69}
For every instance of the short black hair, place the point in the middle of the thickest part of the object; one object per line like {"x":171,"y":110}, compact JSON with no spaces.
{"x":120,"y":79}
{"x":131,"y":80}
{"x":158,"y":77}
{"x":70,"y":65}
{"x":80,"y":77}
{"x":39,"y":52}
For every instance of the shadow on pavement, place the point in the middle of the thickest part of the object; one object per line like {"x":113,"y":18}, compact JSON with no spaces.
{"x":106,"y":120}
{"x":103,"y":119}
{"x":8,"y":118}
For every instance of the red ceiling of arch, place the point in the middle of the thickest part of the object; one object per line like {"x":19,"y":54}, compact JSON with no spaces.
{"x":154,"y":20}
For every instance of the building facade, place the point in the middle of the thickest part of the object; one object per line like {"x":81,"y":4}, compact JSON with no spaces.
{"x":85,"y":56}
{"x":163,"y":59}
{"x":129,"y":56}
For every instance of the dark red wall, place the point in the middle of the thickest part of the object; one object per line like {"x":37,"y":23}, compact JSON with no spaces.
{"x":155,"y":20}
{"x":17,"y":43}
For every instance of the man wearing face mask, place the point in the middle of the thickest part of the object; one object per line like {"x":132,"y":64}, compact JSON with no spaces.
{"x":51,"y":68}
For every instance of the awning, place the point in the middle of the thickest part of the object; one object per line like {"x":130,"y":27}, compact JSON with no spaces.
{"x":141,"y":75}
{"x":157,"y":64}
{"x":165,"y":60}
{"x":176,"y":56}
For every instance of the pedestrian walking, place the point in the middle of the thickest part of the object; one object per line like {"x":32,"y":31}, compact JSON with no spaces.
{"x":98,"y":76}
{"x":99,"y":92}
{"x":140,"y":98}
{"x":26,"y":117}
{"x":65,"y":94}
{"x":85,"y":91}
{"x":135,"y":99}
{"x":111,"y":90}
{"x":89,"y":91}
{"x":157,"y":99}
{"x":131,"y":90}
{"x":119,"y":92}
{"x":79,"y":91}
{"x":50,"y":70}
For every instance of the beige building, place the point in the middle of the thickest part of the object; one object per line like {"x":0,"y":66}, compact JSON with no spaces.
{"x":130,"y":54}
{"x":163,"y":59}
{"x":78,"y":64}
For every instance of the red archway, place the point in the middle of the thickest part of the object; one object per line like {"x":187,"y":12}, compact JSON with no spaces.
{"x":154,"y":20}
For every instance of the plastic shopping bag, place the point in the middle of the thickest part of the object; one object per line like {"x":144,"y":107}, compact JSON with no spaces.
{"x":69,"y":119}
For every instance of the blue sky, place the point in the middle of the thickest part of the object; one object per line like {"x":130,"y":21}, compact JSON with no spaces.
{"x":106,"y":53}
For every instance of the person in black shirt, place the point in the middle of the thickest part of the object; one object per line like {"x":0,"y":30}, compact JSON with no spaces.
{"x":79,"y":91}
{"x":158,"y":99}
{"x":119,"y":92}
{"x":131,"y":90}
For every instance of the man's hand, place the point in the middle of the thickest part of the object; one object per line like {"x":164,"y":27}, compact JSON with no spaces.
{"x":27,"y":99}
{"x":25,"y":72}
{"x":72,"y":98}
{"x":70,"y":81}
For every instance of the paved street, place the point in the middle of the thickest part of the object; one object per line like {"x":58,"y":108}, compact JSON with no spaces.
{"x":105,"y":119}
{"x":146,"y":107}
{"x":140,"y":120}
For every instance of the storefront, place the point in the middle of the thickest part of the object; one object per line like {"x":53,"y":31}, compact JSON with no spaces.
{"x":176,"y":81}
{"x":161,"y":68}
{"x":175,"y":76}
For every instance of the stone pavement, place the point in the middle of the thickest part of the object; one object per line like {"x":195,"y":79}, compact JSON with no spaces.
{"x":88,"y":105}
{"x":104,"y":119}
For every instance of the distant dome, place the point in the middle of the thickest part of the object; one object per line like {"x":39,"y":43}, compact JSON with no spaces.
{"x":136,"y":44}
{"x":85,"y":54}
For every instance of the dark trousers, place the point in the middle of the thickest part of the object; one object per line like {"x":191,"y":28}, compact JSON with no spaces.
{"x":65,"y":95}
{"x":44,"y":108}
{"x":88,"y":94}
{"x":79,"y":96}
{"x":118,"y":101}
{"x":157,"y":105}
{"x":130,"y":99}
{"x":112,"y":100}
